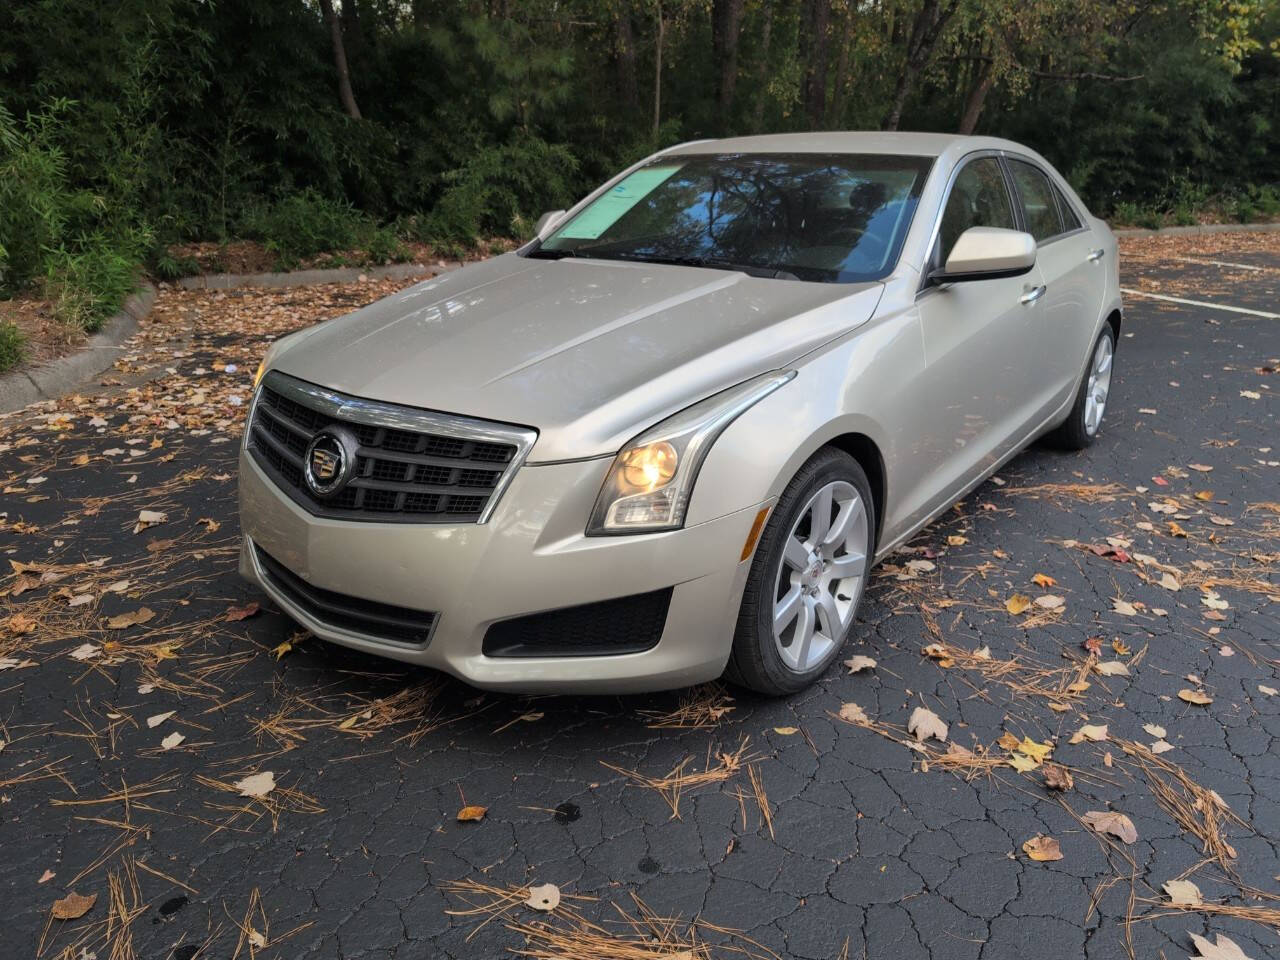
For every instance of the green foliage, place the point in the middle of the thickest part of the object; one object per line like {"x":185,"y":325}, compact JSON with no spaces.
{"x":304,"y":224}
{"x":89,"y":284}
{"x":12,"y":346}
{"x":502,"y":190}
{"x":35,"y":200}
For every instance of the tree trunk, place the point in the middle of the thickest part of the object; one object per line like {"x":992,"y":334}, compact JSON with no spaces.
{"x":657,"y":75}
{"x":842,"y":69}
{"x":762,"y":72}
{"x":977,"y":97}
{"x":815,"y":54}
{"x":345,"y":93}
{"x":726,"y":25}
{"x":926,"y":30}
{"x":625,"y":54}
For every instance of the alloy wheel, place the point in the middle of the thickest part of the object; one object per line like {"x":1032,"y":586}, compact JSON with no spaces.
{"x":820,"y":576}
{"x":1095,"y":401}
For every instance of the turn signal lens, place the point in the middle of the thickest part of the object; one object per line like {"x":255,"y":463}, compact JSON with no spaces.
{"x":649,"y":467}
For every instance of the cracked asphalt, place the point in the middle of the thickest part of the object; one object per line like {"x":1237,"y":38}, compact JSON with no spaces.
{"x":876,"y":849}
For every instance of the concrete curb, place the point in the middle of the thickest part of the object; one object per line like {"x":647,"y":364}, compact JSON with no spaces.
{"x":302,"y":278}
{"x":25,"y":386}
{"x":1198,"y":229}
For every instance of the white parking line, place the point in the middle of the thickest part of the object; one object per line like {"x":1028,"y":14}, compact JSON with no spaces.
{"x":1221,"y":263}
{"x":1200,"y":303}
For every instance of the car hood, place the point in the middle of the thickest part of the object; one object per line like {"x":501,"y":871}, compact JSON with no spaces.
{"x":588,"y":352}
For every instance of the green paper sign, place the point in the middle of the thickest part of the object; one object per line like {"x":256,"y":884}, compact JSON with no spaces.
{"x":608,"y":208}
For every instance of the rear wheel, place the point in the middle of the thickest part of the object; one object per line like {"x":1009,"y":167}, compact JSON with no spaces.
{"x":807,"y":577}
{"x":1085,"y":420}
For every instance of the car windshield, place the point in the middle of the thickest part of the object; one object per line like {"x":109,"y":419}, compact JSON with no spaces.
{"x":838,"y":218}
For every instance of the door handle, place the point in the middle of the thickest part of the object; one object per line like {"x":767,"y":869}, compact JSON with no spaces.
{"x":1096,"y":255}
{"x":1034,"y":294}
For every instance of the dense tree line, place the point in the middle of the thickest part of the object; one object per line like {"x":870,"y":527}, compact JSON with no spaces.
{"x":192,"y":118}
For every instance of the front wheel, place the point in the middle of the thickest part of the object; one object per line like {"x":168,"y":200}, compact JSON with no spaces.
{"x":1081,"y":427}
{"x":806,"y":578}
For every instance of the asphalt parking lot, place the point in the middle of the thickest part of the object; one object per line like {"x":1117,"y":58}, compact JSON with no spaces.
{"x":1133,"y":588}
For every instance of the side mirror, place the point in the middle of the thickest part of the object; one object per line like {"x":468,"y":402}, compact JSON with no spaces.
{"x":545,"y":222}
{"x":987,"y":253}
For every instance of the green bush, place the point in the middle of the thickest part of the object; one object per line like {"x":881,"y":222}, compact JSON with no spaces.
{"x":502,"y":190}
{"x":89,"y":284}
{"x":34,"y":197}
{"x":305,"y":224}
{"x":384,"y":246}
{"x":12,"y":346}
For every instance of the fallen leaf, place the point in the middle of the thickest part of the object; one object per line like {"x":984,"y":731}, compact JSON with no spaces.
{"x":172,"y":740}
{"x":1225,"y":948}
{"x":1120,"y":647}
{"x":1200,"y":467}
{"x":149,"y":518}
{"x":1043,"y":580}
{"x":858,"y":663}
{"x":1018,"y":603}
{"x":1112,"y":668}
{"x":924,"y":723}
{"x":1161,"y":746}
{"x":46,"y":876}
{"x":1109,"y":821}
{"x":1034,"y":749}
{"x":1093,"y":645}
{"x":1267,"y":691}
{"x":1198,"y":697}
{"x":1221,"y":521}
{"x":956,"y":541}
{"x":1155,"y":730}
{"x":73,"y":906}
{"x":258,"y":785}
{"x":544,"y":897}
{"x":131,"y":619}
{"x":159,"y":718}
{"x":1170,"y":582}
{"x":86,"y":651}
{"x":472,"y":814}
{"x":852,"y":713}
{"x":1050,"y":601}
{"x":786,"y":731}
{"x":1095,"y":733}
{"x":241,"y":613}
{"x":1042,"y":849}
{"x":1057,"y":777}
{"x":1204,"y":494}
{"x":1124,"y":608}
{"x":1022,"y":764}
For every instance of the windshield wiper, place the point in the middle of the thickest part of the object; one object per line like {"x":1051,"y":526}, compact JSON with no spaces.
{"x":713,"y":263}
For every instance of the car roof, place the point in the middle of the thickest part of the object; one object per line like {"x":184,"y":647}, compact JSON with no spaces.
{"x":852,"y":141}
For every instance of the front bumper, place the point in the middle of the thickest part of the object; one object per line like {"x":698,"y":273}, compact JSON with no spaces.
{"x":531,"y":556}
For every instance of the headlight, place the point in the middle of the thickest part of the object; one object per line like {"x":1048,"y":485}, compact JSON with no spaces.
{"x":651,"y":480}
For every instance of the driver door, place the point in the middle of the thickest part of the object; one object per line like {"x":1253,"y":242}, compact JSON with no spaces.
{"x":981,"y":344}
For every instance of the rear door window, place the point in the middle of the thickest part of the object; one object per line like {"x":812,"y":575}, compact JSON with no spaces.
{"x":1069,"y":219}
{"x":1039,"y":208}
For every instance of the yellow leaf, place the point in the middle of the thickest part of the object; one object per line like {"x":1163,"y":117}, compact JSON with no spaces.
{"x":1034,"y":749}
{"x":1042,"y":580}
{"x":1022,"y":763}
{"x":1008,"y":741}
{"x":1204,"y":495}
{"x":471,"y":814}
{"x":1198,"y":697}
{"x":956,"y":541}
{"x":281,"y":649}
{"x":1120,"y":647}
{"x":1017,"y":604}
{"x":786,"y":731}
{"x":1175,"y":530}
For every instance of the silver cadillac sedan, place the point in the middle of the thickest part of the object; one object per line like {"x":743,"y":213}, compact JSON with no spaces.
{"x":666,"y":440}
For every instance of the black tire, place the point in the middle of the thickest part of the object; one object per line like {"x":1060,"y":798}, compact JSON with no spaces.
{"x":1072,"y":433}
{"x":754,"y":661}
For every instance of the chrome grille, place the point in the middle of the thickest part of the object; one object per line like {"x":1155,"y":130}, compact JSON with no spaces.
{"x":412,"y":465}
